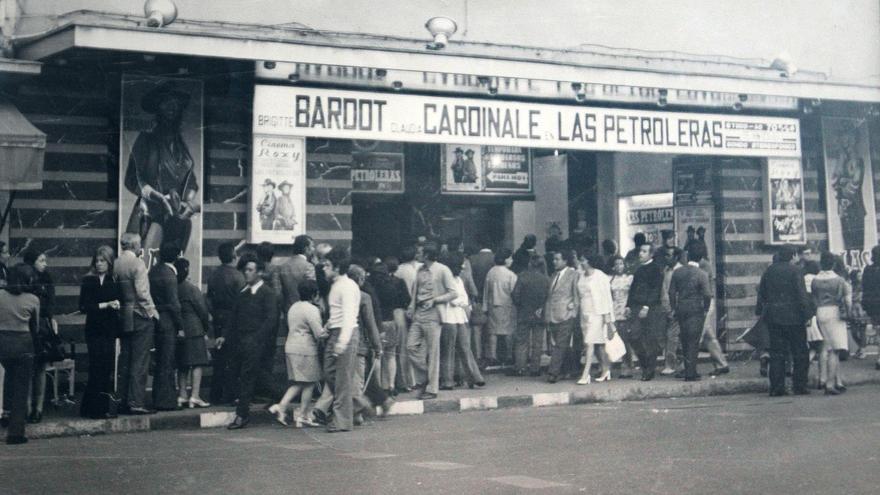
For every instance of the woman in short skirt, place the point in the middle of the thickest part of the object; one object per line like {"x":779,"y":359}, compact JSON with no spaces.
{"x":301,"y":355}
{"x":832,"y":305}
{"x":192,"y":347}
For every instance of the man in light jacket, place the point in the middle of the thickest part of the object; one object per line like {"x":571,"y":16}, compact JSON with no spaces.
{"x":560,"y":310}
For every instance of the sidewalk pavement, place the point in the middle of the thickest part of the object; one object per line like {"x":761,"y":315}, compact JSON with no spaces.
{"x":500,"y":392}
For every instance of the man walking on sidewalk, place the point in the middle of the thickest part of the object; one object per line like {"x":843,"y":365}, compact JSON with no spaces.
{"x":340,"y":353}
{"x":644,"y":309}
{"x":561,"y":310}
{"x":689,"y":297}
{"x":223,"y":287}
{"x":783,"y":303}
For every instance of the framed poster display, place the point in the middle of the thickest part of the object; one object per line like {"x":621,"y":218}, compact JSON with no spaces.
{"x":696,"y":224}
{"x":277,"y":209}
{"x":375,"y":172}
{"x":784,"y":217}
{"x":646,"y":213}
{"x":692,"y":184}
{"x":477,"y":169}
{"x":160,"y":179}
{"x":849,"y":189}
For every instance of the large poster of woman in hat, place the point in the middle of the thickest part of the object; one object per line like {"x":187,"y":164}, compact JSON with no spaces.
{"x":160,"y":194}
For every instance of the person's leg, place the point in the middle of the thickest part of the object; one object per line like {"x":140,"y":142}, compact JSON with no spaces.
{"x":800,"y":356}
{"x":164,"y":387}
{"x":19,"y":371}
{"x":690,"y":327}
{"x":219,"y":372}
{"x":588,"y":362}
{"x":196,"y":375}
{"x":39,"y":387}
{"x":267,"y":384}
{"x":833,"y":364}
{"x":433,"y":351}
{"x":250,"y":350}
{"x":521,"y":343}
{"x":405,"y":377}
{"x":288,"y":397}
{"x":417,"y":349}
{"x":824,"y":349}
{"x":343,"y":389}
{"x":360,"y":404}
{"x":477,"y":341}
{"x":141,"y":342}
{"x":670,"y":345}
{"x":603,"y":360}
{"x":447,"y":355}
{"x":562,"y":343}
{"x":465,"y":356}
{"x":778,"y":344}
{"x":492,"y":350}
{"x":184,"y":376}
{"x":305,"y":401}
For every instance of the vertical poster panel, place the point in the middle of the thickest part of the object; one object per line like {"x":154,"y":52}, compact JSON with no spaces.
{"x":646,"y":213}
{"x":375,"y":172}
{"x":278,"y":189}
{"x":462,"y":168}
{"x":849,"y":189}
{"x":696,"y":224}
{"x":161,"y":150}
{"x":784,"y":217}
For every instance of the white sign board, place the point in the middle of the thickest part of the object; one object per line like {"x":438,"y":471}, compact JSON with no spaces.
{"x":278,"y":189}
{"x":330,"y":113}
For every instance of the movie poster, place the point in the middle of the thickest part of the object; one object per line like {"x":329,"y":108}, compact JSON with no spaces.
{"x":649,"y":214}
{"x":160,"y":179}
{"x":462,"y":168}
{"x":785,"y":221}
{"x":696,"y":224}
{"x":849,"y":189}
{"x":278,"y":189}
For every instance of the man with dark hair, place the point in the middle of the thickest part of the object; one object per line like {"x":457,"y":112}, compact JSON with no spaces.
{"x":644,"y":308}
{"x":871,"y":292}
{"x":289,"y":275}
{"x":138,"y":314}
{"x":254,"y":319}
{"x":689,"y":296}
{"x":340,"y":352}
{"x":393,"y":299}
{"x":267,"y":385}
{"x":523,"y":253}
{"x":163,"y":288}
{"x":224,"y":284}
{"x":561,"y":310}
{"x":631,"y":260}
{"x":434,"y":286}
{"x":785,"y":308}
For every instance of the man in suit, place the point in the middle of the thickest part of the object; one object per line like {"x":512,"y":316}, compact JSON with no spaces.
{"x":163,"y":288}
{"x":287,"y":277}
{"x":561,"y":310}
{"x":255,"y":318}
{"x":138,"y":320}
{"x":690,"y":294}
{"x":785,"y":308}
{"x":223,"y":287}
{"x":481,"y":263}
{"x":267,"y":384}
{"x":644,"y":308}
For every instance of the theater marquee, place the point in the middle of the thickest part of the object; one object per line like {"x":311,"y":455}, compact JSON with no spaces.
{"x":332,"y":113}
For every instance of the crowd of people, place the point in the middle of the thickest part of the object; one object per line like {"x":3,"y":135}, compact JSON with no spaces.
{"x":360,"y":331}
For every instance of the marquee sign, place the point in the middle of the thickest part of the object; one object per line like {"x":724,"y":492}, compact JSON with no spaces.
{"x":330,"y":113}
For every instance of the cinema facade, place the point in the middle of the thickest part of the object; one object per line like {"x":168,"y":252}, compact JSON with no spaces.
{"x":370,"y":142}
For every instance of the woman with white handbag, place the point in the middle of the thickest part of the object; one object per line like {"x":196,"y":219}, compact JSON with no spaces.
{"x":596,"y":312}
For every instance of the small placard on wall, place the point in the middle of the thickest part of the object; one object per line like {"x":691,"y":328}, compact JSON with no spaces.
{"x":278,"y":189}
{"x":784,"y":217}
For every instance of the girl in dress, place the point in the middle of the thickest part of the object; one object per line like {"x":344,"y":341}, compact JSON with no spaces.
{"x":596,"y":313}
{"x":620,"y":284}
{"x":832,"y":305}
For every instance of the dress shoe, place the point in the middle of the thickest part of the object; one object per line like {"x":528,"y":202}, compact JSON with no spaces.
{"x":606,"y":377}
{"x":479,"y":384}
{"x":385,"y":408}
{"x":765,"y":365}
{"x":552,"y":379}
{"x":679,"y":374}
{"x":831,"y":391}
{"x":16,"y":440}
{"x":319,"y":417}
{"x":667,"y":371}
{"x":584,"y":380}
{"x":238,"y":423}
{"x":279,"y":414}
{"x":195,"y":402}
{"x":720,"y":371}
{"x":333,"y":429}
{"x":841,"y":388}
{"x":446,"y":387}
{"x":140,"y":411}
{"x":427,"y":396}
{"x":182,"y":401}
{"x":303,"y":421}
{"x":35,"y":417}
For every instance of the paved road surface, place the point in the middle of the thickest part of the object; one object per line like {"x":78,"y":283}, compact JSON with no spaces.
{"x":743,"y":444}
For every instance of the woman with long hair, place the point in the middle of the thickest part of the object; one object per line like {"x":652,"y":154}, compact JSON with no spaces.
{"x":596,"y":313}
{"x":832,"y":306}
{"x":19,"y":319}
{"x":620,"y":283}
{"x":498,"y":305}
{"x":99,"y":300}
{"x":44,"y":288}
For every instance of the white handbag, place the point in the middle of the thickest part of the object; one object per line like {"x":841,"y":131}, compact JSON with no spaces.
{"x":615,"y":348}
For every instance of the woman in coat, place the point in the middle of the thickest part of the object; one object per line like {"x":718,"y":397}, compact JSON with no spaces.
{"x":596,"y":313}
{"x":498,"y":304}
{"x":44,"y":288}
{"x":192,"y":348}
{"x":99,"y":297}
{"x":832,"y":307}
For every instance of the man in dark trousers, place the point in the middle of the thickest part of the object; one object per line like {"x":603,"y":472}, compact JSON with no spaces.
{"x":690,"y":294}
{"x":254,"y":318}
{"x":871,"y":291}
{"x":163,"y":288}
{"x":223,"y":287}
{"x":561,"y":310}
{"x":644,"y":309}
{"x":268,"y":386}
{"x":783,"y":303}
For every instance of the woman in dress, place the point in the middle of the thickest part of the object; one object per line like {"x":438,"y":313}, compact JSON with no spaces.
{"x":99,"y":297}
{"x":620,"y":283}
{"x":192,"y":348}
{"x":814,"y":336}
{"x":596,"y":312}
{"x":301,"y":355}
{"x":44,"y":288}
{"x":456,"y":357}
{"x":498,"y":305}
{"x":832,"y":306}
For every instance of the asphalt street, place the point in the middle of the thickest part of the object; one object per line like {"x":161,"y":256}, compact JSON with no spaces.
{"x":739,"y":444}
